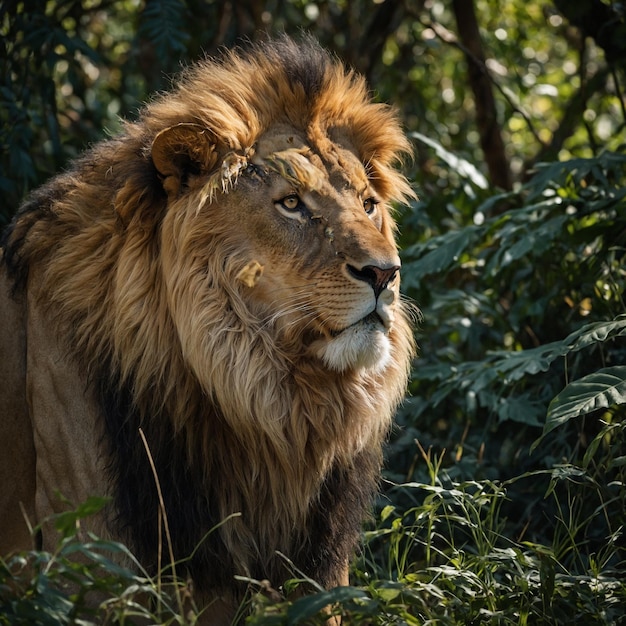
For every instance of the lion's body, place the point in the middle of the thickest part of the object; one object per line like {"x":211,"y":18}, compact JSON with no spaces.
{"x":222,"y":276}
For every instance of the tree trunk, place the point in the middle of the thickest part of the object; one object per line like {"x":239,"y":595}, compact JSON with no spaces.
{"x":486,"y":116}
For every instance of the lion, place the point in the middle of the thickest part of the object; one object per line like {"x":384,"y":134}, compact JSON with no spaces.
{"x":204,"y":311}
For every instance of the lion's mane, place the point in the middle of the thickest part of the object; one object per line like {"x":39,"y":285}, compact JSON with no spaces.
{"x":263,"y":431}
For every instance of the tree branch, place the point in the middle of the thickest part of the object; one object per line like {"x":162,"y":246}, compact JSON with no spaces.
{"x":481,"y":84}
{"x":450,"y":38}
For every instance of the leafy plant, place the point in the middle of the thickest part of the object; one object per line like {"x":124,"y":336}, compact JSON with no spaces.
{"x":87,"y":580}
{"x":514,"y":287}
{"x":446,"y":560}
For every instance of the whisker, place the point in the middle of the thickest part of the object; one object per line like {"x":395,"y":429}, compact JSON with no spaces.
{"x":411,"y":309}
{"x":299,"y":304}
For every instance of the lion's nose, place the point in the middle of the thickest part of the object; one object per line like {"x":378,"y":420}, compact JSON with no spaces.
{"x":377,"y":277}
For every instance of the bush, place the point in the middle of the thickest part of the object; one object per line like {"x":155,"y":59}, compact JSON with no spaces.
{"x":82,"y":582}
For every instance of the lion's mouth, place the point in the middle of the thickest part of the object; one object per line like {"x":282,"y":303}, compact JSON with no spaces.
{"x":372,"y":321}
{"x":362,"y":345}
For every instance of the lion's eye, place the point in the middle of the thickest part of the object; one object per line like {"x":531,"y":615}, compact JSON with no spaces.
{"x":370,"y":206}
{"x":291,"y":203}
{"x":291,"y":206}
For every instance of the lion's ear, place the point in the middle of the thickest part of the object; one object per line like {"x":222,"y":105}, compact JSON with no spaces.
{"x":181,"y":150}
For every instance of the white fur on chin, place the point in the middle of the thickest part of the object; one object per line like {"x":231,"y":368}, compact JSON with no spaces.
{"x":361,"y":346}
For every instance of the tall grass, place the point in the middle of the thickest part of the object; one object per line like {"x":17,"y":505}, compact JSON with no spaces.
{"x":445,"y":557}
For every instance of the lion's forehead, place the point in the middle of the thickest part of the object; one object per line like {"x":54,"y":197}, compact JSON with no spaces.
{"x":312,"y":166}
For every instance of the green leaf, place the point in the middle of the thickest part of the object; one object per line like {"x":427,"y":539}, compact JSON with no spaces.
{"x":67,"y":522}
{"x":309,"y":606}
{"x":528,"y":233}
{"x":463,"y":168}
{"x":521,"y":409}
{"x":600,"y":390}
{"x":445,"y":250}
{"x":162,"y":23}
{"x":597,"y":332}
{"x":514,"y":365}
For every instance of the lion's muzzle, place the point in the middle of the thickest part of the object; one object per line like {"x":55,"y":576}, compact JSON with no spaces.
{"x":377,"y":277}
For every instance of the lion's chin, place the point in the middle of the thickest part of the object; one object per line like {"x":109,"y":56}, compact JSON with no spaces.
{"x":364,"y":345}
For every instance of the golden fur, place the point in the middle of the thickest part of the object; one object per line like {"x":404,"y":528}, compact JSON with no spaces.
{"x":222,"y":275}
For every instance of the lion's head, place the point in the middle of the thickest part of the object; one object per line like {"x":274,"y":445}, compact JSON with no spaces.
{"x":294,"y":206}
{"x":302,"y":237}
{"x":224,"y":275}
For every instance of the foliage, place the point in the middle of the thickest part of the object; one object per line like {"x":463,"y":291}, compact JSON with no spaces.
{"x":504,"y":499}
{"x":70,"y":68}
{"x":82,"y":582}
{"x":445,"y":560}
{"x":521,"y":278}
{"x":521,"y":370}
